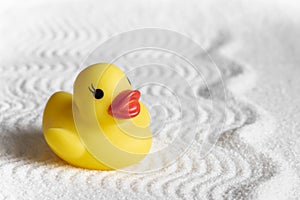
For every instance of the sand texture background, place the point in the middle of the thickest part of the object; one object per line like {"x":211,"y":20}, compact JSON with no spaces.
{"x":256,"y":47}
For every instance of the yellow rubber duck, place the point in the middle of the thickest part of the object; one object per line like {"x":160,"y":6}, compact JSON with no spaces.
{"x":103,"y":125}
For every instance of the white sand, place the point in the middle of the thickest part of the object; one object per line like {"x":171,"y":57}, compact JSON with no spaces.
{"x":256,"y":46}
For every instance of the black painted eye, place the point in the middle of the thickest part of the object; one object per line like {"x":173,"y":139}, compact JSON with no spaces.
{"x":97,"y":93}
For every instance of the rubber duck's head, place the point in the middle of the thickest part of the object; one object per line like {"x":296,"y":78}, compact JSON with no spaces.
{"x":105,"y":90}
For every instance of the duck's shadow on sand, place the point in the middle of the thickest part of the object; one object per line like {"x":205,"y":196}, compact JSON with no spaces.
{"x":27,"y":145}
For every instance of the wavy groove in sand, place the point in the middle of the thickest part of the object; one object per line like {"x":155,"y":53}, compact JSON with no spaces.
{"x":231,"y":170}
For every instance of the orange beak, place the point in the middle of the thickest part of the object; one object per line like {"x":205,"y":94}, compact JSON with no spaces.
{"x":126,"y":105}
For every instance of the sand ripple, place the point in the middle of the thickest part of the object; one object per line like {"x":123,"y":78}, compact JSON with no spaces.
{"x":53,"y":49}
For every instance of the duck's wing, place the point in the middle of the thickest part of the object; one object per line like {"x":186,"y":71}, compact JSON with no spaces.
{"x":68,"y":146}
{"x":64,"y":143}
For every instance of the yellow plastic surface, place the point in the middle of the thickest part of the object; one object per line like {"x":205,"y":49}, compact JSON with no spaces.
{"x":79,"y":129}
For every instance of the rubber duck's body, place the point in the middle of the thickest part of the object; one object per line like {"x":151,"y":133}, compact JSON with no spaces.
{"x":103,"y":125}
